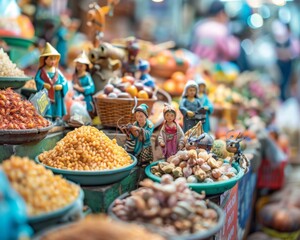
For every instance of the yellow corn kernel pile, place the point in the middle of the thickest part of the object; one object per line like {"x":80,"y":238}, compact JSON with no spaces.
{"x":42,"y":190}
{"x":86,"y":149}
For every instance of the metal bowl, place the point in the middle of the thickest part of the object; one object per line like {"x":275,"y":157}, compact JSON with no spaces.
{"x":94,"y":178}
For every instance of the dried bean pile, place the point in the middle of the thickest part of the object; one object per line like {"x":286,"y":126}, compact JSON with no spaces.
{"x":7,"y":68}
{"x":86,"y":148}
{"x":16,"y":113}
{"x":195,"y":167}
{"x":170,"y":206}
{"x":42,"y":190}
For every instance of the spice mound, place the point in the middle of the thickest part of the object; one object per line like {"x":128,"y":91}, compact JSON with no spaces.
{"x":170,"y":206}
{"x":42,"y":191}
{"x":86,"y":149}
{"x":16,"y":113}
{"x":95,"y":226}
{"x":7,"y":68}
{"x":195,"y":167}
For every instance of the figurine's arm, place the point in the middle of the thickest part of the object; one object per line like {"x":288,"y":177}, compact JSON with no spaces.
{"x":184,"y":110}
{"x":147,"y":131}
{"x":210,"y":106}
{"x":180,"y":135}
{"x":90,"y":88}
{"x":39,"y":81}
{"x":161,"y":138}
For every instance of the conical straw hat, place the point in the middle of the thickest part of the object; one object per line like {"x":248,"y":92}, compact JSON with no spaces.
{"x":82,"y":58}
{"x":48,"y":51}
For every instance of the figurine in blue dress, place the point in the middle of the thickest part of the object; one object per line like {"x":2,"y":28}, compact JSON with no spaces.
{"x":49,"y":77}
{"x":145,"y":77}
{"x":190,"y":105}
{"x":205,"y":102}
{"x":83,"y":82}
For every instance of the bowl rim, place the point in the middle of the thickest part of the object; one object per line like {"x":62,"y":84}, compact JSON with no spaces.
{"x":26,"y":131}
{"x":204,"y":185}
{"x":16,"y":79}
{"x":80,"y":172}
{"x":202,"y":235}
{"x":57,"y":212}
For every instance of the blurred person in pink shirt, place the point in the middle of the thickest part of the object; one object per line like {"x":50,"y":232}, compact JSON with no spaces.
{"x":212,"y":40}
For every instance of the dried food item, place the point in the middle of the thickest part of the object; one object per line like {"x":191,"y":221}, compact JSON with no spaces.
{"x":17,"y":113}
{"x":86,"y":148}
{"x":42,"y":190}
{"x":30,"y":84}
{"x":101,"y":227}
{"x":7,"y":68}
{"x":170,"y":206}
{"x":196,"y":168}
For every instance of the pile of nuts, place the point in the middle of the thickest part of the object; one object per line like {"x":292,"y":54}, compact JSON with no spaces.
{"x":195,"y":167}
{"x":94,"y":226}
{"x":7,"y":68}
{"x":41,"y":190}
{"x":16,"y":113}
{"x":170,"y":206}
{"x":86,"y":149}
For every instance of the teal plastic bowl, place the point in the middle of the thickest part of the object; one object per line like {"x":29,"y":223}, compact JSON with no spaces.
{"x":45,"y":220}
{"x":13,"y":82}
{"x":195,"y":236}
{"x":94,"y":178}
{"x":209,"y":188}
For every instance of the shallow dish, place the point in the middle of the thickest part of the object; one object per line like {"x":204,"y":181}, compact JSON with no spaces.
{"x":209,"y":188}
{"x":94,"y":178}
{"x":13,"y":82}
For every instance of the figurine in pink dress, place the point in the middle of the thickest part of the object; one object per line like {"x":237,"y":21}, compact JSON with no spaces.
{"x":171,"y":136}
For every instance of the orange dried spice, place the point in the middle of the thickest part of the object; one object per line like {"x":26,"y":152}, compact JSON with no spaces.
{"x":86,"y":148}
{"x":41,"y":190}
{"x":16,"y":113}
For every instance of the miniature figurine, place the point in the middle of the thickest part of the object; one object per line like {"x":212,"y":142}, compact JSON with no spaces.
{"x":190,"y":106}
{"x":171,"y":136}
{"x":130,"y":67}
{"x":146,"y":79}
{"x":141,"y":131}
{"x":49,"y":77}
{"x":233,"y":146}
{"x":83,"y":82}
{"x":205,"y":103}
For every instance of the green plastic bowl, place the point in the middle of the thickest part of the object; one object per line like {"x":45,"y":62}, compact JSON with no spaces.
{"x":94,"y":178}
{"x":196,"y":236}
{"x":45,"y":220}
{"x":13,"y":82}
{"x":18,"y":41}
{"x":209,"y":188}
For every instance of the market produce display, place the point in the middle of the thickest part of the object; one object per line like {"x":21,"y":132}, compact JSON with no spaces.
{"x":16,"y":113}
{"x":42,"y":191}
{"x":7,"y":68}
{"x":86,"y":148}
{"x":170,"y":206}
{"x":95,"y":226}
{"x":195,"y":167}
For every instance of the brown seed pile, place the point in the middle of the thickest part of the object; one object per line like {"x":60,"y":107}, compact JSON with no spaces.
{"x":7,"y":68}
{"x":16,"y":113}
{"x":86,"y":148}
{"x":42,"y":190}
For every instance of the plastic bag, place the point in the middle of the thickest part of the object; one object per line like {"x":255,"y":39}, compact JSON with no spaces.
{"x":79,"y":115}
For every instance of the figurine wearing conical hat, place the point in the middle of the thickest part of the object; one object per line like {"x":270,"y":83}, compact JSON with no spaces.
{"x":140,"y":132}
{"x":83,"y":82}
{"x":49,"y":77}
{"x":171,"y":136}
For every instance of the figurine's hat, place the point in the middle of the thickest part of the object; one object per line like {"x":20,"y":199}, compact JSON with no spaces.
{"x":142,"y":108}
{"x":168,"y":108}
{"x":82,"y":58}
{"x":48,"y":51}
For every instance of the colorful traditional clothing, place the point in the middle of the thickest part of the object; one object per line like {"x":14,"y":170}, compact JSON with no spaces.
{"x":87,"y":83}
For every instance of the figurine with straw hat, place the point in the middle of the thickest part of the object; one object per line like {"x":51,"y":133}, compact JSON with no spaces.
{"x":50,"y":78}
{"x":83,"y":82}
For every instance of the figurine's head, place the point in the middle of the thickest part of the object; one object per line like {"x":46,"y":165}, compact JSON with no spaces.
{"x":190,"y":89}
{"x":49,"y":56}
{"x":141,"y":113}
{"x":82,"y":62}
{"x":201,"y":84}
{"x":169,"y":113}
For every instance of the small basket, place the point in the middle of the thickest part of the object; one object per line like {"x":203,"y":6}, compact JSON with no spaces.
{"x":269,"y":176}
{"x":112,"y":110}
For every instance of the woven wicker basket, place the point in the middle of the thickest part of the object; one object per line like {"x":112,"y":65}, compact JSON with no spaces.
{"x":112,"y":110}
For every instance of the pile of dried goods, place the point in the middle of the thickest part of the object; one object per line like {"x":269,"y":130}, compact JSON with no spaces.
{"x":86,"y":148}
{"x":7,"y":68}
{"x":170,"y":206}
{"x":42,"y":190}
{"x":16,"y":113}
